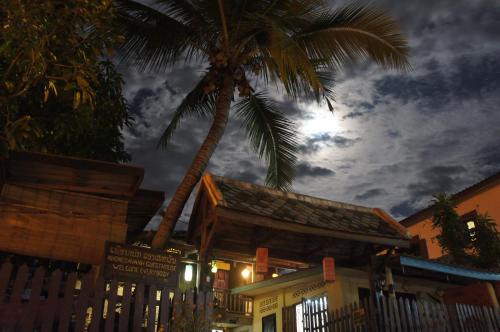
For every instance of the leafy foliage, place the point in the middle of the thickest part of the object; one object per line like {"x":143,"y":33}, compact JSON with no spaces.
{"x":454,"y":236}
{"x":479,"y":246}
{"x":56,"y":92}
{"x":53,"y":44}
{"x":53,"y":126}
{"x":486,"y":242}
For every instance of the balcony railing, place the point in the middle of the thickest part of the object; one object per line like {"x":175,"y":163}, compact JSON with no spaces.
{"x":233,"y":303}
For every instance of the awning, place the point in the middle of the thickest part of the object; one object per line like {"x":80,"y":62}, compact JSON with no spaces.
{"x":429,"y":265}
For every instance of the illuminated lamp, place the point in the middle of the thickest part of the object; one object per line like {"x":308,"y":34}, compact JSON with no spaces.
{"x":188,"y":273}
{"x":275,"y":275}
{"x":214,"y":268}
{"x":245,"y":273}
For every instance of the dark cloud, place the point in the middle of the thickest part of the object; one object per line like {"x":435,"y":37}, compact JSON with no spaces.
{"x":139,"y":98}
{"x":314,"y":144}
{"x":246,"y":176}
{"x":304,"y":169}
{"x":360,"y":109}
{"x":432,"y":180}
{"x":393,"y":133}
{"x":467,"y":77}
{"x":437,"y":179}
{"x":344,"y":142}
{"x":403,"y":209}
{"x":352,"y":115}
{"x":375,"y":192}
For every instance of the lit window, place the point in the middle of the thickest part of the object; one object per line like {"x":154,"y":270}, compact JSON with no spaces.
{"x":298,"y":317}
{"x":188,"y":273}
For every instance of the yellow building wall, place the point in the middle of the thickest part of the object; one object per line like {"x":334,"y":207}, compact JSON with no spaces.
{"x":487,"y":201}
{"x":265,"y":305}
{"x":343,"y":291}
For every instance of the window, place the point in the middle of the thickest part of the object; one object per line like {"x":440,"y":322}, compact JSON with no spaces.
{"x":314,"y":314}
{"x":470,"y":220}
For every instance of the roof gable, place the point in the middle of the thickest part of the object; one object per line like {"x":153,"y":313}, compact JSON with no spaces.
{"x":304,"y":210}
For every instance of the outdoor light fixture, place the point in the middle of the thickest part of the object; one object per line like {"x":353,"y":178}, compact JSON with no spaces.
{"x":245,"y":273}
{"x":188,"y":273}
{"x":214,"y":268}
{"x":275,"y":275}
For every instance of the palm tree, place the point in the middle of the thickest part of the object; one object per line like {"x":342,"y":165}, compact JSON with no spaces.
{"x":294,"y":44}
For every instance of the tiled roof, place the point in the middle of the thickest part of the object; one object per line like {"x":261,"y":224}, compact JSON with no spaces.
{"x":302,"y":209}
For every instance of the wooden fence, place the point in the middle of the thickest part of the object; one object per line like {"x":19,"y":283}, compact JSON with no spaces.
{"x":390,"y":314}
{"x":33,"y":300}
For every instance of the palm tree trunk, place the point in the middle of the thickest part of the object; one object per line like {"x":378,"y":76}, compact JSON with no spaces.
{"x":199,"y":164}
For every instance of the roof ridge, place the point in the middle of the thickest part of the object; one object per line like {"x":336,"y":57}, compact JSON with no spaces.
{"x":292,"y":195}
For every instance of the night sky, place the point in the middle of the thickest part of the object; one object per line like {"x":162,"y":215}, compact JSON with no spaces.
{"x":394,"y":138}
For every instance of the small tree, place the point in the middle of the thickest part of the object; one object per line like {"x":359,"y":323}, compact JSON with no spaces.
{"x":454,"y":237}
{"x":486,"y":242}
{"x":57,"y":92}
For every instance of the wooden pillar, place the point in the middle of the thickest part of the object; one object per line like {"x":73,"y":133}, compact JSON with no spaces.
{"x":207,"y":232}
{"x":205,"y":276}
{"x":389,"y":280}
{"x":372,"y":277}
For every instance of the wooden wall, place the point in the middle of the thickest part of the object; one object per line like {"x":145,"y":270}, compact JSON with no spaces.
{"x":59,"y":225}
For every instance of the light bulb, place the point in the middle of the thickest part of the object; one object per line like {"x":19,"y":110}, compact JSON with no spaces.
{"x":214,"y":268}
{"x":245,"y":273}
{"x":275,"y":275}
{"x":188,"y":273}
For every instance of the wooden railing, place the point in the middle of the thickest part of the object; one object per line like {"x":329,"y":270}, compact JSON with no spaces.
{"x":390,"y":314}
{"x":59,"y":301}
{"x":233,"y":303}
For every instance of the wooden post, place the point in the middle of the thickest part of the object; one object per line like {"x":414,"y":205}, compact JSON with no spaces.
{"x":389,"y":280}
{"x":372,"y":276}
{"x":205,"y":277}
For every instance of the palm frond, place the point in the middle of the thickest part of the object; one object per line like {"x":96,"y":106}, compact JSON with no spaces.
{"x":154,"y":40}
{"x":196,"y":103}
{"x":354,"y":32}
{"x":327,"y":80}
{"x":184,"y":11}
{"x":271,"y":135}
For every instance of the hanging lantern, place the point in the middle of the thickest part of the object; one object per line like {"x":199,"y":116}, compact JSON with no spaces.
{"x":262,"y":260}
{"x":328,"y":269}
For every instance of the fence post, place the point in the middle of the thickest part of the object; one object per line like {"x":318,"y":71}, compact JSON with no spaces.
{"x":5,"y":272}
{"x":151,"y":308}
{"x":50,"y":307}
{"x":82,"y":302}
{"x":29,"y":314}
{"x":164,"y":308}
{"x":67,"y":303}
{"x":97,"y":305}
{"x":138,"y":307}
{"x":125,"y":311}
{"x":111,"y":312}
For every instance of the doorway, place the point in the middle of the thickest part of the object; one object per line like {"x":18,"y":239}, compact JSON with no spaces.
{"x":269,"y":323}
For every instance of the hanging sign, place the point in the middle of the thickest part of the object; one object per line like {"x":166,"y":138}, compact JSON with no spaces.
{"x":262,"y":260}
{"x":328,"y":269}
{"x":138,"y":264}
